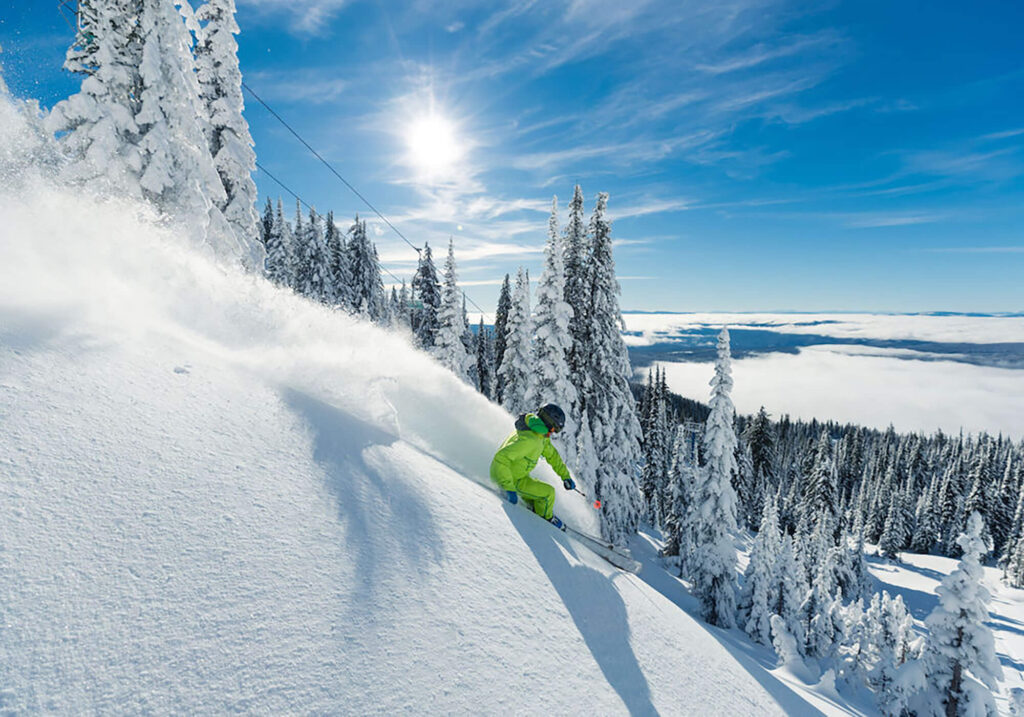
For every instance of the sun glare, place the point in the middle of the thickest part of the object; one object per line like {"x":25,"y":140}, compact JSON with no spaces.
{"x":433,"y":146}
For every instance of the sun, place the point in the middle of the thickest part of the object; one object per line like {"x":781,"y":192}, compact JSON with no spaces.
{"x":433,"y":144}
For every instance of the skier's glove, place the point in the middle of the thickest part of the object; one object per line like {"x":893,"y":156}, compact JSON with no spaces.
{"x":569,"y":483}
{"x":512,"y":496}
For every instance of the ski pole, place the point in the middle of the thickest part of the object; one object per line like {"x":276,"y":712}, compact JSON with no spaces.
{"x":597,"y":503}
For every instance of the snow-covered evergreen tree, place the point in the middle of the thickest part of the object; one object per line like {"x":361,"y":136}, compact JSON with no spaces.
{"x":426,"y":291}
{"x":762,"y":444}
{"x":712,"y":566}
{"x":97,"y":128}
{"x":656,"y":449}
{"x":759,"y":581}
{"x":577,"y":258}
{"x":820,"y":603}
{"x":484,"y":361}
{"x":367,"y":294}
{"x":266,"y":226}
{"x":606,"y":397}
{"x":500,"y":332}
{"x":280,"y":262}
{"x":177,"y":170}
{"x":790,"y":589}
{"x":401,"y":316}
{"x":231,"y":145}
{"x":311,"y":270}
{"x":518,"y":362}
{"x":894,"y":534}
{"x":551,"y":381}
{"x":821,"y":494}
{"x":448,"y":346}
{"x":680,"y":481}
{"x":889,"y":632}
{"x":960,"y":651}
{"x":339,"y":270}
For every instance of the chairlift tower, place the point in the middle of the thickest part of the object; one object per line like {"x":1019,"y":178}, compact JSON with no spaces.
{"x":691,"y":432}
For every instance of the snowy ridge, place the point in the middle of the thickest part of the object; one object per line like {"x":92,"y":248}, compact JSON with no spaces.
{"x":219,"y":497}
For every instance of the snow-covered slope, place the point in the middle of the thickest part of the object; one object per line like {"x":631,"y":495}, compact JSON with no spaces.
{"x":216,"y":497}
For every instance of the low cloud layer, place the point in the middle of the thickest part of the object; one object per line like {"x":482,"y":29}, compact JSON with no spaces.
{"x":872,"y":390}
{"x":896,"y":327}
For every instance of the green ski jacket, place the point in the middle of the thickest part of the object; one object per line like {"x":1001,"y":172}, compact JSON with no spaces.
{"x":519,"y":453}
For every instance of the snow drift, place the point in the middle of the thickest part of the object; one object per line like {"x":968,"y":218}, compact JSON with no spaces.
{"x":219,"y":497}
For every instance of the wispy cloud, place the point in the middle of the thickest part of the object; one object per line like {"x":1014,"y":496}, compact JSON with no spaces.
{"x":646,"y":149}
{"x":996,"y":165}
{"x":870,"y":220}
{"x":306,"y":17}
{"x":1006,"y":134}
{"x":796,"y":114}
{"x":976,"y":250}
{"x":651,"y":206}
{"x":313,"y":86}
{"x":761,"y":53}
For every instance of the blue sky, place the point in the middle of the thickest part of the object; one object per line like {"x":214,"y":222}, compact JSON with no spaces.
{"x":759,"y":155}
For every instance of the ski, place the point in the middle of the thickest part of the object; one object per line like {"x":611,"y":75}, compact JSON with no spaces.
{"x":614,"y":555}
{"x":618,"y":557}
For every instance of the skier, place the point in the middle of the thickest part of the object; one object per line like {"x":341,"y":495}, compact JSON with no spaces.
{"x":518,"y":455}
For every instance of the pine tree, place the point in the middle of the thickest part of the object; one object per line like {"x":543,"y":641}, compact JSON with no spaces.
{"x":1003,"y":507}
{"x":760,"y":583}
{"x":790,"y":589}
{"x":606,"y":396}
{"x":861,"y":577}
{"x":230,"y":143}
{"x":500,"y":332}
{"x":427,"y":291}
{"x":821,"y":492}
{"x":923,"y":537}
{"x":959,"y":645}
{"x":680,"y":479}
{"x":367,"y":286}
{"x":313,"y":273}
{"x":518,"y":362}
{"x":656,"y":451}
{"x":96,"y":127}
{"x":576,"y":252}
{"x":1015,"y":564}
{"x":550,"y":378}
{"x":762,"y":445}
{"x":401,"y":314}
{"x":894,"y":535}
{"x":266,"y":226}
{"x":484,"y":361}
{"x":979,"y":478}
{"x":178,"y":174}
{"x":280,"y":262}
{"x":889,"y":635}
{"x":448,"y":346}
{"x":713,"y":566}
{"x":339,"y":266}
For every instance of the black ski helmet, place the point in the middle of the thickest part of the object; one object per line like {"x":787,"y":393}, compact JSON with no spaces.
{"x":553,"y":417}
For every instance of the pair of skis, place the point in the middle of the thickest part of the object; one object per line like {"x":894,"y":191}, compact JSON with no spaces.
{"x":613,"y":554}
{"x":619,"y":557}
